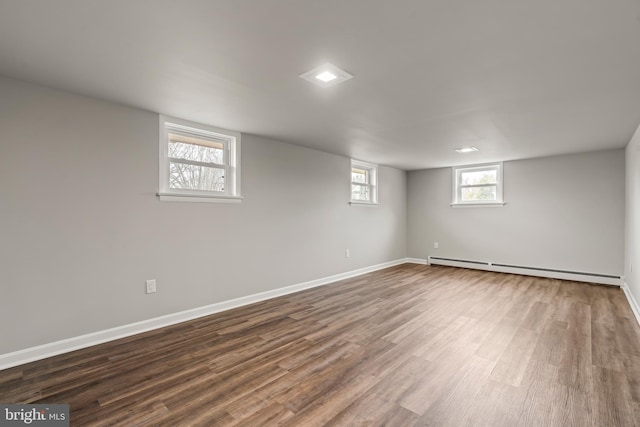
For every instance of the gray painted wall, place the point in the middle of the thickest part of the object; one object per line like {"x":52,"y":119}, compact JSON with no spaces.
{"x":564,"y":212}
{"x":632,"y":225}
{"x":81,"y":228}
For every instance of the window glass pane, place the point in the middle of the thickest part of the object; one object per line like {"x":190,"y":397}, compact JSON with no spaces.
{"x":200,"y":150}
{"x":360,"y":175}
{"x":360,"y":192}
{"x":479,"y":177}
{"x":479,"y":194}
{"x":191,"y":177}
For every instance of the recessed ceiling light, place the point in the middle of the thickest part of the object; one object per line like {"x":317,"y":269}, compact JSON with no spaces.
{"x":326,"y":75}
{"x":466,"y":150}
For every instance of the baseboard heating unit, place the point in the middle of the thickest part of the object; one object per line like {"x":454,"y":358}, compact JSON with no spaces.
{"x":580,"y":276}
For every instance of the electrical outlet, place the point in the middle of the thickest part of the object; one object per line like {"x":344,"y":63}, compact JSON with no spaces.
{"x":151,"y":286}
{"x":436,"y":245}
{"x":347,"y":253}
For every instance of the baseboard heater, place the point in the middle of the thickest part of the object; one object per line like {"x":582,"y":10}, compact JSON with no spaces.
{"x":606,"y":279}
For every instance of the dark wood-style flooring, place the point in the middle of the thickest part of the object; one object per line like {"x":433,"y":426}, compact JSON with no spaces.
{"x":409,"y":345}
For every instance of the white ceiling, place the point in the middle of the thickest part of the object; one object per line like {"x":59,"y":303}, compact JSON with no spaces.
{"x":514,"y":78}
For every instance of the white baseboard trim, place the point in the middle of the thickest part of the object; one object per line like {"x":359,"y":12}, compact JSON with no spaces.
{"x":32,"y":354}
{"x":632,"y":301}
{"x":416,"y":261}
{"x":529,"y":272}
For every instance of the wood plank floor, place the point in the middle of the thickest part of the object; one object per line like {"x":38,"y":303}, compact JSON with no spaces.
{"x":409,"y":345}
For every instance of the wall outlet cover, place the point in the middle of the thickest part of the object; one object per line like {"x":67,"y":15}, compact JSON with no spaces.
{"x":151,"y":286}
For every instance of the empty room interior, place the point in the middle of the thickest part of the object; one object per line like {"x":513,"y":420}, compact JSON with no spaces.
{"x":300,"y":213}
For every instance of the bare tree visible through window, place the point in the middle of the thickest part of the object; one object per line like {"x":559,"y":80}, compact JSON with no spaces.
{"x":363,"y":182}
{"x":359,"y":184}
{"x":195,"y":164}
{"x":479,"y":185}
{"x":198,"y":163}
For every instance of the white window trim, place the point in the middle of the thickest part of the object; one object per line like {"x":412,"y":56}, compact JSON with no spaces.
{"x":373,"y":186}
{"x":455,"y":192}
{"x":231,"y":141}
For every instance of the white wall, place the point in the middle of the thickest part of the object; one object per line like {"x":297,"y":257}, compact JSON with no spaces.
{"x":564,"y":212}
{"x":632,"y":225}
{"x":81,"y":228}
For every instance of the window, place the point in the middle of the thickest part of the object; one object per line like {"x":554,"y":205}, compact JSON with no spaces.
{"x":478,"y":185}
{"x":364,"y":185}
{"x":198,"y":163}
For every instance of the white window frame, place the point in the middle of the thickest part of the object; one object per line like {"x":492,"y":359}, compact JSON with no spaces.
{"x":373,"y":183}
{"x":231,"y":143}
{"x":457,"y":172}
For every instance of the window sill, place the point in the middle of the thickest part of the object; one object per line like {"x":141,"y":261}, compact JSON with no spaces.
{"x":354,"y":203}
{"x":478,"y":205}
{"x":172,"y":197}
